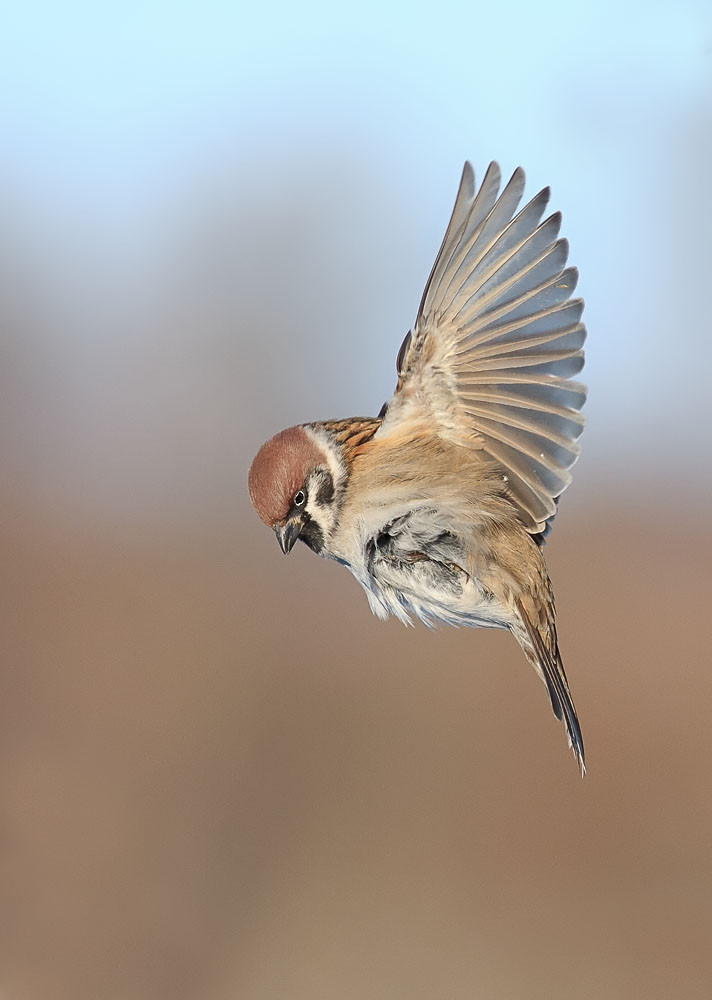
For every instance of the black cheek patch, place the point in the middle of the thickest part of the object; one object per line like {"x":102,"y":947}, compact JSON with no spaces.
{"x":325,"y":493}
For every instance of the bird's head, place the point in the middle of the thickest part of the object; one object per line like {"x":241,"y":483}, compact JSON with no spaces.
{"x":295,"y":482}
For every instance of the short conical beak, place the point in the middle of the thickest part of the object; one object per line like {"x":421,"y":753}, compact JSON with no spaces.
{"x":288,"y":532}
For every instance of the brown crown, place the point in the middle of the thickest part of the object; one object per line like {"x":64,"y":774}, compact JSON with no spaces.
{"x":278,"y":470}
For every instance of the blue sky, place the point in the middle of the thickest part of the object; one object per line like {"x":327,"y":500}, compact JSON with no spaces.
{"x":91,"y":91}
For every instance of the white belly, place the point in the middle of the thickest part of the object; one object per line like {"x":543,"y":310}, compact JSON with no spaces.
{"x":430,"y":591}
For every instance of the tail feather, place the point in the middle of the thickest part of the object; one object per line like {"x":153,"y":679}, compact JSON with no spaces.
{"x":549,"y":665}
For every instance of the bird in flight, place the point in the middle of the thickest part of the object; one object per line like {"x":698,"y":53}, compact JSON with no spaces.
{"x":440,"y":505}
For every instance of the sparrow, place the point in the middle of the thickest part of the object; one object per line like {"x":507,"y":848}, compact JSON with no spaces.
{"x":440,"y":505}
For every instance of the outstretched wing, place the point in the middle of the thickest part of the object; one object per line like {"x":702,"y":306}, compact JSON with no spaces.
{"x":496,"y":341}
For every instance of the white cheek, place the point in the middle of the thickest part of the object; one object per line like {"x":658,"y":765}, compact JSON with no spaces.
{"x":322,"y":516}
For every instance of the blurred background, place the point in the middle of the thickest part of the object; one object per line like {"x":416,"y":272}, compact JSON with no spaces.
{"x":220,"y":776}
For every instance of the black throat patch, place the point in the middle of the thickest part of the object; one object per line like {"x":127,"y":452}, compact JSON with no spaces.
{"x":311,"y":534}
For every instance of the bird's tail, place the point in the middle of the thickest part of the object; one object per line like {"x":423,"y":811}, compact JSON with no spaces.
{"x":548,"y":664}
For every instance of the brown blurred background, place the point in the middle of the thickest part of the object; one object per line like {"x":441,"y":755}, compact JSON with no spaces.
{"x":220,"y":776}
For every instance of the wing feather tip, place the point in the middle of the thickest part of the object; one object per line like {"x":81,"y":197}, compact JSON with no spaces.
{"x":570,"y":276}
{"x":467,"y":181}
{"x":562,"y":243}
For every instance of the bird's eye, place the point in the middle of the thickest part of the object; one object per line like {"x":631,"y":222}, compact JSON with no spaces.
{"x":299,"y":498}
